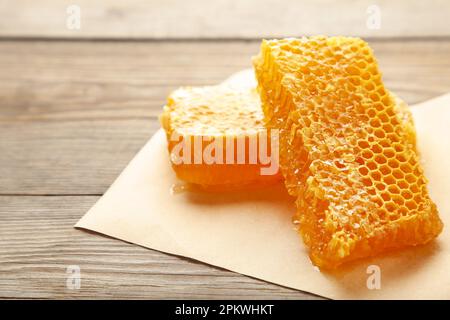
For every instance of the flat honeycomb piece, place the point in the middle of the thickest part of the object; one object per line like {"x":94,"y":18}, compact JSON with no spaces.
{"x":223,"y":113}
{"x":347,"y":149}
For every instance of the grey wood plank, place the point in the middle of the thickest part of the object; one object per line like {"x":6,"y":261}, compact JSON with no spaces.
{"x":38,"y":243}
{"x":223,"y":18}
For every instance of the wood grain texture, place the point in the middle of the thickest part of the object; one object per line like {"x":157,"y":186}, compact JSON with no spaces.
{"x":38,"y":243}
{"x":199,"y":19}
{"x":73,"y":114}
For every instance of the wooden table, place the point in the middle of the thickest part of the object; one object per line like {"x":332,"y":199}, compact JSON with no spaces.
{"x":76,"y":105}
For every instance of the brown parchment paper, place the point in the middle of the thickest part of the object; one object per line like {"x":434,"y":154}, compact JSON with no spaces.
{"x":252,"y":233}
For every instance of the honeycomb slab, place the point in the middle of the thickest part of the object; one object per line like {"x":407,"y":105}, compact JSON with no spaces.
{"x":225,"y":114}
{"x":347,"y":149}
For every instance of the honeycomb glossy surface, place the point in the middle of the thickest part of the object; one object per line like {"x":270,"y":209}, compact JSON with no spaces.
{"x":217,"y":112}
{"x":347,"y":149}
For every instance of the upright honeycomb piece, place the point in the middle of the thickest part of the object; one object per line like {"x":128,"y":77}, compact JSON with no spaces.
{"x":347,"y":149}
{"x":222,"y":113}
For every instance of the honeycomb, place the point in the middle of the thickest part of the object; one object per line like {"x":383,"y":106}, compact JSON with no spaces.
{"x":225,"y":114}
{"x":347,"y":149}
